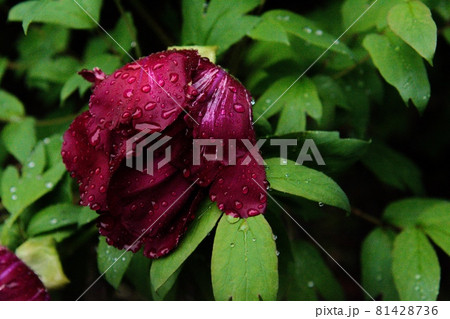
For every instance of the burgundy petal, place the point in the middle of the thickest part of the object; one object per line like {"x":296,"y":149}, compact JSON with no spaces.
{"x":223,"y":106}
{"x":91,"y":154}
{"x":158,"y":205}
{"x":17,"y":281}
{"x":149,"y":93}
{"x":240,"y":191}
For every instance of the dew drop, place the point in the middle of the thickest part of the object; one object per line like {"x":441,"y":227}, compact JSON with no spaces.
{"x":150,"y":106}
{"x":126,"y":115}
{"x":310,"y":284}
{"x":102,"y":189}
{"x":319,"y":32}
{"x":49,"y":185}
{"x":307,"y":29}
{"x":245,"y":190}
{"x":239,"y":108}
{"x":173,"y":77}
{"x":274,"y":237}
{"x":94,"y":139}
{"x":146,"y":88}
{"x":131,"y":79}
{"x":157,"y":66}
{"x":53,"y":221}
{"x":167,"y":114}
{"x":137,"y":114}
{"x":46,"y":140}
{"x":128,"y":93}
{"x":277,"y":253}
{"x":91,"y":198}
{"x":31,"y":164}
{"x":417,"y":277}
{"x":238,"y":204}
{"x":13,"y":189}
{"x":252,"y":212}
{"x":320,"y":204}
{"x":14,"y":197}
{"x":161,"y":83}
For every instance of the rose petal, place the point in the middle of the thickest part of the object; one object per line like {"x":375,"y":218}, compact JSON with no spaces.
{"x":150,"y":92}
{"x":17,"y":281}
{"x":240,"y":190}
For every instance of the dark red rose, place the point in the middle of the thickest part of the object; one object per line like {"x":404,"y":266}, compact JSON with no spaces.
{"x":17,"y":281}
{"x":185,"y":97}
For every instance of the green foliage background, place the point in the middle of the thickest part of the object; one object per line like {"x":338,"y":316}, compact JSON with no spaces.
{"x":375,"y":101}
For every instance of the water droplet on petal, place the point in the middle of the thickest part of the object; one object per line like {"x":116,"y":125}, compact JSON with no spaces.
{"x":91,"y":198}
{"x":138,"y":113}
{"x":128,"y":93}
{"x":131,"y":79}
{"x":157,"y":66}
{"x":238,"y":204}
{"x":150,"y":106}
{"x":244,"y":190}
{"x":252,"y":212}
{"x":239,"y":108}
{"x":146,"y":88}
{"x":94,"y":139}
{"x":126,"y":115}
{"x":173,"y":77}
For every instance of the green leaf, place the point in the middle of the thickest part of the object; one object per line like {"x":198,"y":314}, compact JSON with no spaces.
{"x":161,"y":292}
{"x":63,"y":12}
{"x":415,"y":266}
{"x":41,"y":256}
{"x":408,"y":212}
{"x":435,"y":221}
{"x":376,"y":261}
{"x":125,"y":33}
{"x":57,"y":70}
{"x":20,"y":138}
{"x":138,"y":273}
{"x":54,"y":217}
{"x":401,"y":67}
{"x":310,"y":276}
{"x":112,"y":262}
{"x":20,"y":192}
{"x":375,"y":16}
{"x":393,"y":168}
{"x":269,"y":30}
{"x":244,"y":262}
{"x":301,"y":98}
{"x":11,"y":108}
{"x":219,"y":23}
{"x":3,"y":66}
{"x":290,"y":178}
{"x":162,"y":269}
{"x":305,"y":29}
{"x":42,"y":42}
{"x":412,"y":22}
{"x":338,"y":153}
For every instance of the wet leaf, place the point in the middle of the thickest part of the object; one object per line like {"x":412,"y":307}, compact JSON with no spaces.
{"x":112,"y":262}
{"x":415,"y":266}
{"x":305,"y":182}
{"x":11,"y":108}
{"x":412,"y":22}
{"x":376,"y":262}
{"x":64,"y":12}
{"x":244,"y":263}
{"x":401,"y":67}
{"x":162,"y":269}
